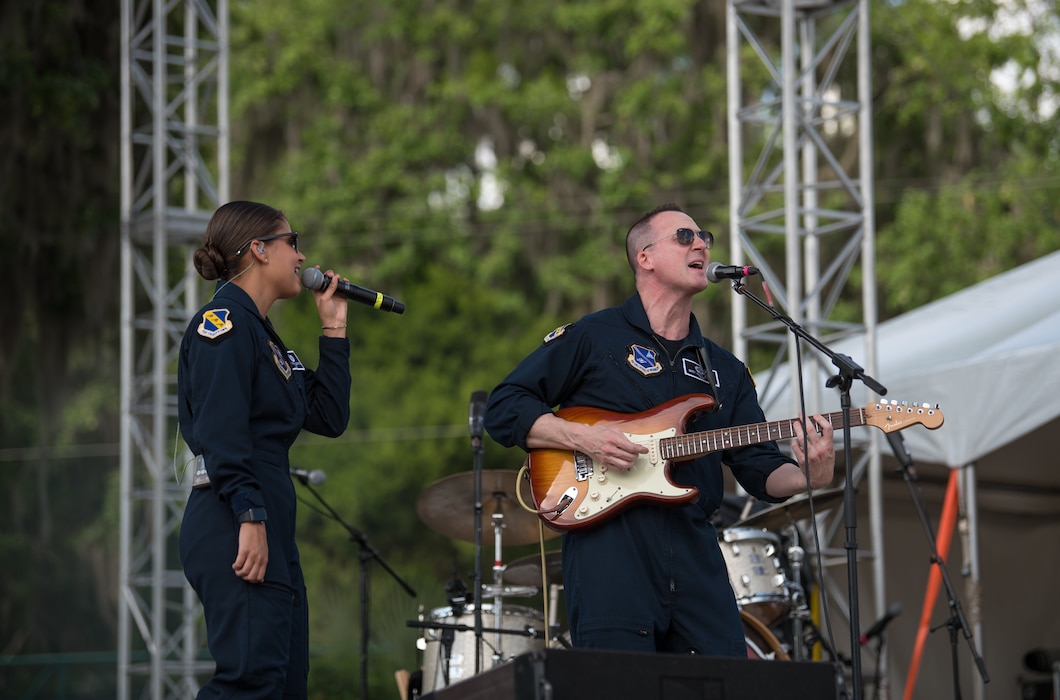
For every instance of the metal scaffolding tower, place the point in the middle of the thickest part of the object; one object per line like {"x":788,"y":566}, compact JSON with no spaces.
{"x":174,"y":169}
{"x":801,"y":204}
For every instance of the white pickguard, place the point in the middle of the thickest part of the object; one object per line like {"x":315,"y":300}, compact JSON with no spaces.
{"x":647,"y":476}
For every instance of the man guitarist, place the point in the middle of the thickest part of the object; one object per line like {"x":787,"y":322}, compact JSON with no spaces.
{"x":651,"y":577}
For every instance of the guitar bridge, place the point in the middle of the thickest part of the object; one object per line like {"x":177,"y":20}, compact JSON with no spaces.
{"x":583,"y":466}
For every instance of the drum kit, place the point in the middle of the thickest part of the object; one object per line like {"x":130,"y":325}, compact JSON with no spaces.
{"x":761,"y":552}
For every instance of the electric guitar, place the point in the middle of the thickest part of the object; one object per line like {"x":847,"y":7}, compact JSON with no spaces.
{"x":570,"y":492}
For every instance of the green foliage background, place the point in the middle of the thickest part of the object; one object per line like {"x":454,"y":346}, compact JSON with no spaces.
{"x":362,"y":121}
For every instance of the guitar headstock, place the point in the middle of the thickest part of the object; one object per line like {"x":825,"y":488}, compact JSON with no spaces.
{"x":890,"y":416}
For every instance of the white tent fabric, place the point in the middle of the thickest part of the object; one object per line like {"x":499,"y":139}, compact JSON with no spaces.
{"x":989,"y":355}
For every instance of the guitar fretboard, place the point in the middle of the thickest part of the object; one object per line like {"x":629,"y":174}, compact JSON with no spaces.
{"x":692,"y":445}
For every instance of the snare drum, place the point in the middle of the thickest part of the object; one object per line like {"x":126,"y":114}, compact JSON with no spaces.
{"x":516,"y":621}
{"x":751,"y":555}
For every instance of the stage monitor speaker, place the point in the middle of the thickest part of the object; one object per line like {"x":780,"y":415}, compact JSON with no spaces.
{"x":560,"y":674}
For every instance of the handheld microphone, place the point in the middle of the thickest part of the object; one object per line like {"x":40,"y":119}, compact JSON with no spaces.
{"x":716,"y":272}
{"x":309,"y":478}
{"x":315,"y":280}
{"x":877,"y":629}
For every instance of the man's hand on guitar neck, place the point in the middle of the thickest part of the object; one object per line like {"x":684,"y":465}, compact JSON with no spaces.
{"x":606,"y":445}
{"x":819,"y":452}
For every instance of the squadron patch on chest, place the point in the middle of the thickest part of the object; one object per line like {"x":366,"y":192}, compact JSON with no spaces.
{"x":215,"y":323}
{"x":644,"y":360}
{"x":280,"y":358}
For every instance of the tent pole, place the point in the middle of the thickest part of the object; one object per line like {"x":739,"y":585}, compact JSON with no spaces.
{"x":969,"y":529}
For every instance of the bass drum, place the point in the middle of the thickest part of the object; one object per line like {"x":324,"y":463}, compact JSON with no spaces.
{"x":761,"y":643}
{"x":518,"y":621}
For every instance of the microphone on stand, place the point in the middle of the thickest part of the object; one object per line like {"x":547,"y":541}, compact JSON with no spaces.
{"x":477,"y":414}
{"x":456,"y":592}
{"x":877,"y":629}
{"x":716,"y":272}
{"x":310,"y":478}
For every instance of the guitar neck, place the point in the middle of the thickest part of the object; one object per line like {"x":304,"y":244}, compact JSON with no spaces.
{"x":693,"y":445}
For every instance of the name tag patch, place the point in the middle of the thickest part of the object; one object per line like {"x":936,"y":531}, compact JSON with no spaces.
{"x":693,"y":369}
{"x":296,"y":364}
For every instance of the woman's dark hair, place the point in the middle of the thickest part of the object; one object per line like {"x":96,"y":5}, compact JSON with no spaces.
{"x":231,"y":229}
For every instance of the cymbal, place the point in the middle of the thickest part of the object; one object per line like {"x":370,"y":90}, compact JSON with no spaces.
{"x":526,"y":571}
{"x":448,"y":506}
{"x":793,"y":510}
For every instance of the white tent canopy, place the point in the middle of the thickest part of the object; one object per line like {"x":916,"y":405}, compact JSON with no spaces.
{"x":988,"y":355}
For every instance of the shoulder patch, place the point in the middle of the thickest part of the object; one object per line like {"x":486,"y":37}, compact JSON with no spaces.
{"x":751,"y":376}
{"x":558,"y":332}
{"x":215,"y":323}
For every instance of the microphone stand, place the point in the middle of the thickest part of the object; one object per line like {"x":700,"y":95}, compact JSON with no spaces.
{"x":367,"y":554}
{"x":848,"y":372}
{"x":476,"y":418}
{"x":956,"y":619}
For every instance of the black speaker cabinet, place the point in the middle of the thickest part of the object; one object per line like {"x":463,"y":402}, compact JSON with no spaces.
{"x":561,"y":674}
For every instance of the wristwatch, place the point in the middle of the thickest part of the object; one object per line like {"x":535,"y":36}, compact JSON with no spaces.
{"x":253,"y":515}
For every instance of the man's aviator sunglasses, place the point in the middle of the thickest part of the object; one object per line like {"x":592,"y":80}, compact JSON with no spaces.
{"x":293,"y":235}
{"x":685,"y":236}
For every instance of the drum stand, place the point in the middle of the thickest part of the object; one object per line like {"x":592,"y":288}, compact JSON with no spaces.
{"x":476,"y":415}
{"x":498,"y":590}
{"x":800,"y":610}
{"x":802,"y":625}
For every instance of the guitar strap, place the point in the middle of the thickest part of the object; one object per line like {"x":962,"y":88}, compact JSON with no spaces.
{"x":709,"y":371}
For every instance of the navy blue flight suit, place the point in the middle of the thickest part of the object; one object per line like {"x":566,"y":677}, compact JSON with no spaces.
{"x":243,"y":398}
{"x":653,"y":577}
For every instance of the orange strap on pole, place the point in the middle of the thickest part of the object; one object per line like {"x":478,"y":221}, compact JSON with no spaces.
{"x":946,"y":523}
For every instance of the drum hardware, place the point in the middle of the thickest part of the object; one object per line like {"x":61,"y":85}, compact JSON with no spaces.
{"x":799,"y":608}
{"x":555,"y":637}
{"x":505,"y":591}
